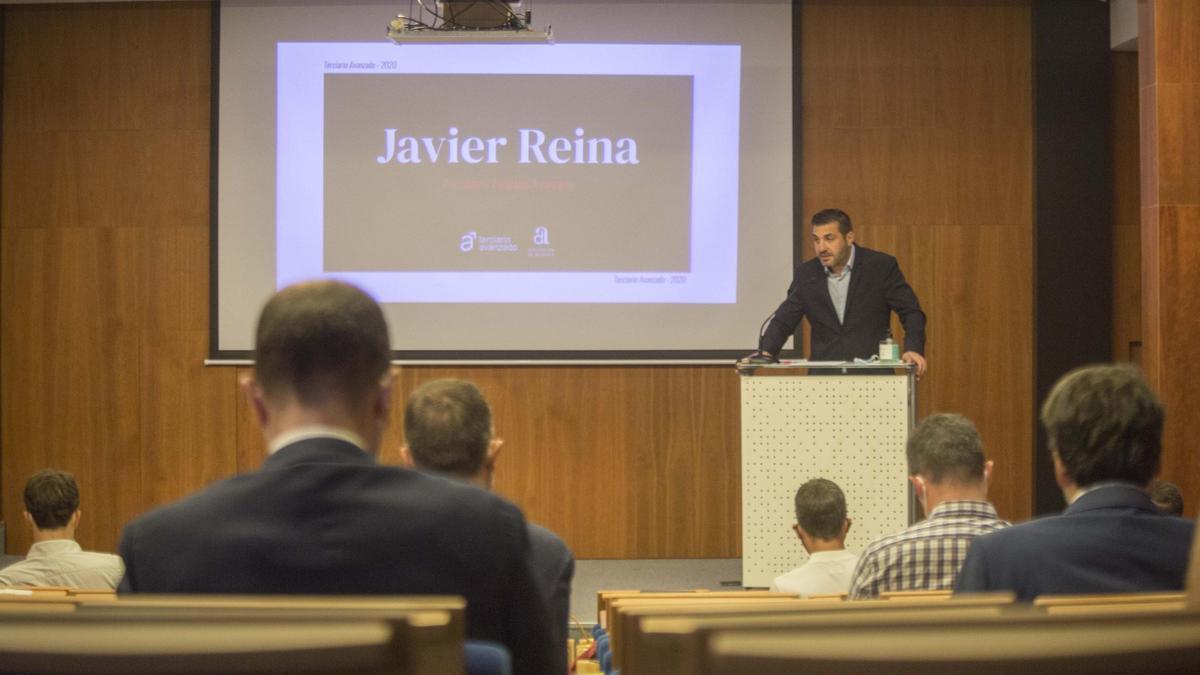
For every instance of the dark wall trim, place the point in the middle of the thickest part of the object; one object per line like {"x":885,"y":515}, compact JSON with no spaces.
{"x":3,"y":10}
{"x":799,"y":229}
{"x":1072,"y":73}
{"x":214,"y":134}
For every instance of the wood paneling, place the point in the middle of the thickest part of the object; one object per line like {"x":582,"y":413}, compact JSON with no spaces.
{"x":104,"y":260}
{"x":916,"y":120}
{"x":631,"y":461}
{"x":1127,"y":231}
{"x":1169,"y":96}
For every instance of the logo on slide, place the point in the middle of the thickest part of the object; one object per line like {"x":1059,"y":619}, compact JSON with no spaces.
{"x":466,"y":243}
{"x":541,"y":244}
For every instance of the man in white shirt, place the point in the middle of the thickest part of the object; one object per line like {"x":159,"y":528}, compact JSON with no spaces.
{"x":821,"y":524}
{"x":56,"y":559}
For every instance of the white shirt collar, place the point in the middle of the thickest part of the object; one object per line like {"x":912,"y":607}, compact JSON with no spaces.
{"x":53,"y":547}
{"x":315,"y":431}
{"x":840,"y":554}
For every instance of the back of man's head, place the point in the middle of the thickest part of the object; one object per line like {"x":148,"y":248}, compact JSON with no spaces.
{"x":448,"y":426}
{"x":1166,"y":497}
{"x":1104,"y":424}
{"x":945,"y":448}
{"x":51,"y":498}
{"x":318,"y":340}
{"x":821,"y":509}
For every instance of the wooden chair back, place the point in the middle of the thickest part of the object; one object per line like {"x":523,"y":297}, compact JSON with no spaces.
{"x":653,"y":639}
{"x":422,"y":642}
{"x":1021,"y":640}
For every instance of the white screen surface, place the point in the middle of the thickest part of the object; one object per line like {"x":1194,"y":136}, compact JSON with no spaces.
{"x":624,"y":192}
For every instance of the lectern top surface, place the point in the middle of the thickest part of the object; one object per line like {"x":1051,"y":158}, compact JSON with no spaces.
{"x":749,"y":368}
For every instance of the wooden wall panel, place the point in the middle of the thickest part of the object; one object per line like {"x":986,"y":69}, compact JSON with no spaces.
{"x":104,"y":260}
{"x":1169,"y":98}
{"x":71,"y":369}
{"x":917,"y":120}
{"x":630,"y":461}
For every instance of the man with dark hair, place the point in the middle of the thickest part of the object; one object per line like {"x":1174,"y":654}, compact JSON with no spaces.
{"x":448,"y":431}
{"x":848,"y":293}
{"x":1167,"y":498}
{"x":821,"y":525}
{"x":950,"y":477}
{"x":1104,"y":428}
{"x":322,"y":516}
{"x":55,"y":558}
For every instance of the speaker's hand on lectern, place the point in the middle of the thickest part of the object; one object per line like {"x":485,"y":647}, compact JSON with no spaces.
{"x":915,"y":359}
{"x":757,"y":358}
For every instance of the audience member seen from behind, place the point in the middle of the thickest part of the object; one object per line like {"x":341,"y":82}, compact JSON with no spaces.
{"x":950,"y":476}
{"x":322,"y":516}
{"x":448,"y":431}
{"x":55,"y":558}
{"x":821,"y":525}
{"x":1104,"y":427}
{"x":1167,"y":498}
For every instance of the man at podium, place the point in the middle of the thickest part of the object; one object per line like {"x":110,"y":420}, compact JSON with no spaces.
{"x":848,"y":293}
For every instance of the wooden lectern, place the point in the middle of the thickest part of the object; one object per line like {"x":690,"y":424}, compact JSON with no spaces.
{"x":806,"y":419}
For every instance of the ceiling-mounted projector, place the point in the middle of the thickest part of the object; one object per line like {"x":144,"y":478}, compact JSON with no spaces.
{"x":487,"y":21}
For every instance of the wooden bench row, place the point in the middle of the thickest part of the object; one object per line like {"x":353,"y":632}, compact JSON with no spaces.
{"x":677,"y":632}
{"x":81,"y":633}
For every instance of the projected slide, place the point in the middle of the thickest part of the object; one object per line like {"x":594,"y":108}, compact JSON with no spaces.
{"x":589,"y":173}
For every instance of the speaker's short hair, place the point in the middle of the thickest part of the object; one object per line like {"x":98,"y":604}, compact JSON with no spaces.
{"x":946,"y":447}
{"x":321,"y":339}
{"x":821,"y":508}
{"x":827,"y":216}
{"x":51,"y":498}
{"x":1104,"y":424}
{"x":448,"y":426}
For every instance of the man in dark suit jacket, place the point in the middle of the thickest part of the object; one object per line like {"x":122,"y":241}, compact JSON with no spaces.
{"x":321,"y":516}
{"x":448,"y":431}
{"x":848,"y":293}
{"x":1104,"y":427}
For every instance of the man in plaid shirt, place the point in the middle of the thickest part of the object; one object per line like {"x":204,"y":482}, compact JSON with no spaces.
{"x":950,"y":477}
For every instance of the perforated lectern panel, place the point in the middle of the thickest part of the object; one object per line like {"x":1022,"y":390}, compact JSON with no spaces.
{"x":850,"y":429}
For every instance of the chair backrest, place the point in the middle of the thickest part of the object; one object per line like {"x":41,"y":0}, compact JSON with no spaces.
{"x":93,"y":593}
{"x":607,"y":598}
{"x":943,"y":594}
{"x":627,"y":612}
{"x":828,"y":596}
{"x":14,"y":609}
{"x":1020,"y":639}
{"x":301,"y":606}
{"x":1108,"y":599}
{"x":35,"y":591}
{"x":603,"y":596}
{"x":423,"y":642}
{"x":657,"y":639}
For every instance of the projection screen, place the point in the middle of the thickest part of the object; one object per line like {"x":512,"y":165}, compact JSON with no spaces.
{"x":623,"y":193}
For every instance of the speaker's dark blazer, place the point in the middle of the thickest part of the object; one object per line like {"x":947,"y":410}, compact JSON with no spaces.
{"x":877,"y":288}
{"x":322,"y":517}
{"x":1111,"y":540}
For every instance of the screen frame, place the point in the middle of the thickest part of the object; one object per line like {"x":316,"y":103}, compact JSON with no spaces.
{"x":520,"y":357}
